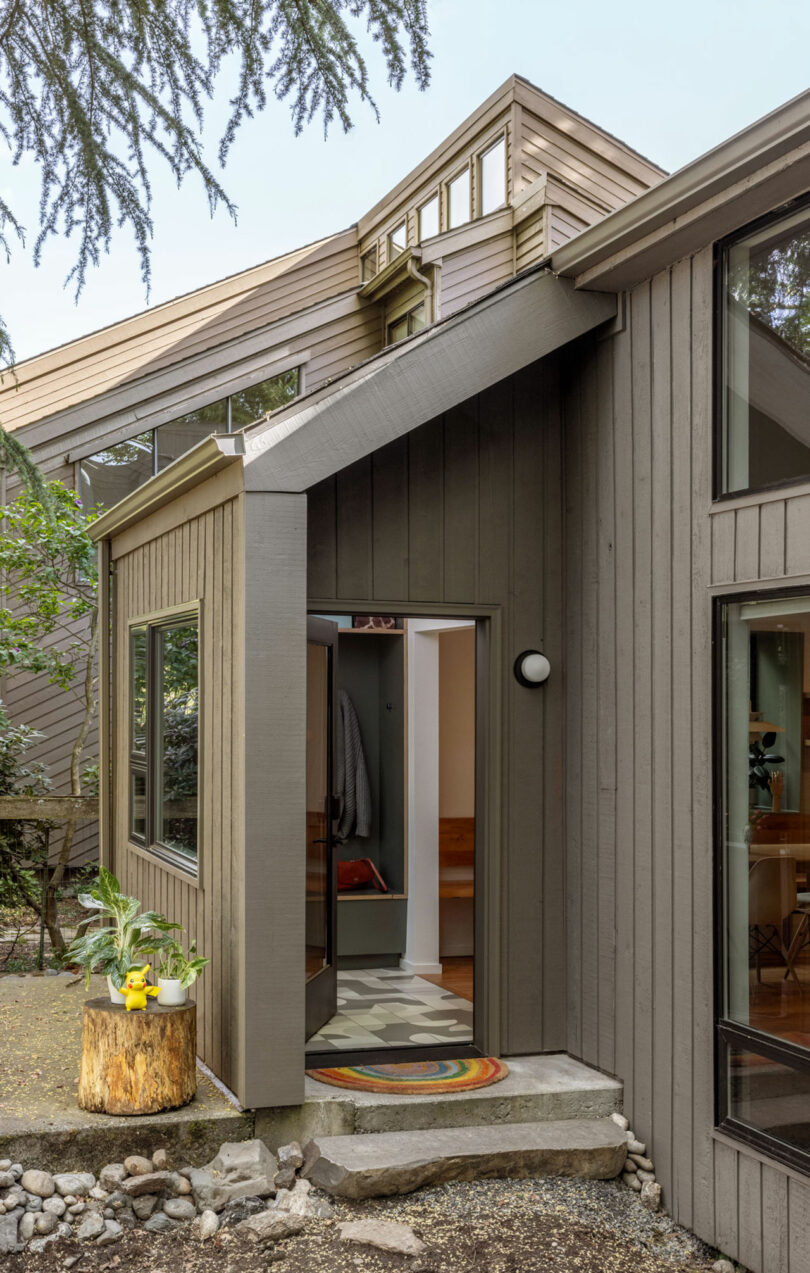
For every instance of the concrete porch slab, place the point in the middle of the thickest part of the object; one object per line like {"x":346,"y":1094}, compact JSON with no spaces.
{"x":40,"y":1121}
{"x":546,"y":1088}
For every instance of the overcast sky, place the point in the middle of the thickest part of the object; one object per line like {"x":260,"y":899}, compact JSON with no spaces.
{"x":671,"y":81}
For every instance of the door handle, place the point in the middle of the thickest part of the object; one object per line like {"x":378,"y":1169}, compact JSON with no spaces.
{"x":319,"y":841}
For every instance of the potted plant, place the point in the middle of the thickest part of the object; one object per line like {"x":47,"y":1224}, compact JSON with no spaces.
{"x":127,"y":939}
{"x":177,"y":972}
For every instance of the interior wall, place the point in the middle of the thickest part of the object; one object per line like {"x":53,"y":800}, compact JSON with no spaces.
{"x":466,"y":510}
{"x":457,"y":723}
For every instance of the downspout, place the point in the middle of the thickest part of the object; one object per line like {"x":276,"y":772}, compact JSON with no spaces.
{"x":414,"y":273}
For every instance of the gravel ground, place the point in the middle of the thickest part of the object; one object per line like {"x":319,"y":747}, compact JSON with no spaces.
{"x":495,"y":1226}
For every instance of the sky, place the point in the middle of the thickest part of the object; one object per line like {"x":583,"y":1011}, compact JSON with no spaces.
{"x":670,"y":80}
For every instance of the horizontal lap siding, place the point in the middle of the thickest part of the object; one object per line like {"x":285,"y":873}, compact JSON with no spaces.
{"x":466,"y":510}
{"x":547,"y":149}
{"x":642,"y":551}
{"x":467,"y":275}
{"x":199,"y":559}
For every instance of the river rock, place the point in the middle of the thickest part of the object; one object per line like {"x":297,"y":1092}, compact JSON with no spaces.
{"x":240,"y":1209}
{"x":56,"y":1206}
{"x":147,"y":1182}
{"x":45,"y":1222}
{"x":179,"y":1208}
{"x":271,"y":1226}
{"x":386,"y":1235}
{"x":92,"y":1226}
{"x":78,"y":1183}
{"x":635,"y":1146}
{"x":6,"y":1180}
{"x":112,"y":1233}
{"x":9,"y":1224}
{"x":208,"y":1225}
{"x":136,"y":1165}
{"x":291,"y":1155}
{"x":214,"y":1193}
{"x":160,"y":1223}
{"x":632,"y":1180}
{"x":644,"y":1163}
{"x":651,"y":1195}
{"x":39,"y":1183}
{"x":111,"y":1176}
{"x":298,"y":1202}
{"x":723,"y":1266}
{"x":646,"y":1177}
{"x":32,"y":1202}
{"x":27,"y":1227}
{"x":144,"y":1206}
{"x":160,"y":1160}
{"x":620,"y":1120}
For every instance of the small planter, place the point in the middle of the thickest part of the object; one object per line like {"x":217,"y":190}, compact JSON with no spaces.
{"x":170,"y":993}
{"x":115,"y":995}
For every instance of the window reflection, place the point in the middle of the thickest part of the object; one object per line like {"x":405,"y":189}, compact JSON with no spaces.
{"x":458,"y":200}
{"x":110,"y":475}
{"x":180,"y":435}
{"x":493,"y":177}
{"x":772,"y":1097}
{"x":766,"y":418}
{"x":178,"y":698}
{"x":429,"y":219}
{"x":249,"y":405}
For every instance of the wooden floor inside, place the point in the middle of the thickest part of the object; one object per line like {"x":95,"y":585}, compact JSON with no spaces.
{"x":456,"y":975}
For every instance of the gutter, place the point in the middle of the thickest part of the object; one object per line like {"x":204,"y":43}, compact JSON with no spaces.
{"x":747,"y":152}
{"x":203,"y":460}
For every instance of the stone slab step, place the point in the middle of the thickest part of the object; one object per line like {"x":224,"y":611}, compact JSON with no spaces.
{"x":537,"y":1089}
{"x":399,"y":1162}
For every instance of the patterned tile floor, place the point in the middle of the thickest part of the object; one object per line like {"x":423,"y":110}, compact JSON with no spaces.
{"x":383,"y":1007}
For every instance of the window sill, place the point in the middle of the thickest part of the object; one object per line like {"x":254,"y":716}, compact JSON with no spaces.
{"x":725,"y":1136}
{"x":156,"y":859}
{"x":765,"y":495}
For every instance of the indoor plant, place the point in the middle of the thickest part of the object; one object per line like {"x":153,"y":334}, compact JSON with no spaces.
{"x":177,"y":972}
{"x":127,"y":939}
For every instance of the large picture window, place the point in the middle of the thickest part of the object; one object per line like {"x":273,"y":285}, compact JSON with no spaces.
{"x":764,"y":1029}
{"x":164,"y":737}
{"x":765,"y":357}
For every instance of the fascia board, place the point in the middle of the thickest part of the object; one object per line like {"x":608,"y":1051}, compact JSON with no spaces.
{"x":419,"y":379}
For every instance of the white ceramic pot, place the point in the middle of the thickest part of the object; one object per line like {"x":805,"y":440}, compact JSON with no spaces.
{"x":115,"y":995}
{"x":170,"y":993}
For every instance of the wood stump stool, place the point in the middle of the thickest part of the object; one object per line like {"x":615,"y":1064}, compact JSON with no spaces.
{"x":138,"y":1062}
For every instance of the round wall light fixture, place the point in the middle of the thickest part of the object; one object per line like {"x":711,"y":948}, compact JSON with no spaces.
{"x":532,"y":668}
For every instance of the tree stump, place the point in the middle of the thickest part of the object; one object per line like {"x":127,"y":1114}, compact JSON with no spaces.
{"x":138,"y":1062}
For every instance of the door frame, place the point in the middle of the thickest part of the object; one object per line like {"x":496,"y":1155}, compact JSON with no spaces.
{"x":323,"y":985}
{"x":488,"y":895}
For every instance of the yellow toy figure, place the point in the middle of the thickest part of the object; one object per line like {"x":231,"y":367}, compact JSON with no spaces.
{"x":135,"y":988}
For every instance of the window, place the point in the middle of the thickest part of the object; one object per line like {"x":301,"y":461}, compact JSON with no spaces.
{"x":164,"y":729}
{"x":765,"y":313}
{"x":105,"y":478}
{"x":459,"y":210}
{"x":429,"y":219}
{"x":108,"y":476}
{"x":764,"y":1031}
{"x":249,"y":405}
{"x":397,"y":240}
{"x":368,"y":265}
{"x":407,"y":325}
{"x":492,"y":177}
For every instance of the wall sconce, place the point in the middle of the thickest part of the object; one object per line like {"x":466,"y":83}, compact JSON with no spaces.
{"x":531,"y":669}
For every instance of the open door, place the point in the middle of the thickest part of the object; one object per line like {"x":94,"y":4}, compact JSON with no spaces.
{"x":321,"y":882}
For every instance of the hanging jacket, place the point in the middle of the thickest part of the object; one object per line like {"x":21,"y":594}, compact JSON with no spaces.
{"x":352,"y":776}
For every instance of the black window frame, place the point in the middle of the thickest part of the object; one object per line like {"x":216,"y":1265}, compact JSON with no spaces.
{"x":147,"y":763}
{"x":721,"y":249}
{"x":727,"y":1033}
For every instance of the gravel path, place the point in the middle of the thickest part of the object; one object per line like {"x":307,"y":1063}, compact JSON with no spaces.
{"x":495,"y":1226}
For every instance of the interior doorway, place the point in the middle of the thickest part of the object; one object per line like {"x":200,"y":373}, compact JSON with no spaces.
{"x":391,"y":845}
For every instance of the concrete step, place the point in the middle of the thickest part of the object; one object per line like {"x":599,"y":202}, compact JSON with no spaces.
{"x":537,"y":1089}
{"x":399,"y":1162}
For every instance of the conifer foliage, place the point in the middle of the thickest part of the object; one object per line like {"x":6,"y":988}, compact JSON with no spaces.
{"x":97,"y":91}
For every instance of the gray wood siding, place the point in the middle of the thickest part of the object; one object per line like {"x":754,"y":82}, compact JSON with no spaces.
{"x":546,"y":148}
{"x":200,"y":559}
{"x":642,"y":553}
{"x":466,"y":510}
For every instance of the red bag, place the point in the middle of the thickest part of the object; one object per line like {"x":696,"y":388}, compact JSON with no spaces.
{"x":357,"y":873}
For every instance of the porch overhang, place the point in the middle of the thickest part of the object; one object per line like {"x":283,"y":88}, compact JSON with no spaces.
{"x":418,"y":379}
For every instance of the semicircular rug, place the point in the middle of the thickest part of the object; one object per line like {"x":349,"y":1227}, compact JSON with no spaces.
{"x":416,"y":1078}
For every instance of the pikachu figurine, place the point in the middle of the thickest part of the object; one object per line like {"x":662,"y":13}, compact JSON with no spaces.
{"x":135,"y":988}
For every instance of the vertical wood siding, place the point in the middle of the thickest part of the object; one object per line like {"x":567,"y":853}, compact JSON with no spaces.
{"x":642,"y":551}
{"x":201,"y":559}
{"x":466,"y":510}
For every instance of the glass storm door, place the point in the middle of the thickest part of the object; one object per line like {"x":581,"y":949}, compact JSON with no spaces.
{"x":321,"y":885}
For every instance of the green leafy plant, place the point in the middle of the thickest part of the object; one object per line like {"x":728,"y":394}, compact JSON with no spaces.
{"x":176,"y":966}
{"x":127,"y":940}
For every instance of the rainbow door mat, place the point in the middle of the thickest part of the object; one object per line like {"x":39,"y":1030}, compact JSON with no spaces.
{"x":416,"y":1078}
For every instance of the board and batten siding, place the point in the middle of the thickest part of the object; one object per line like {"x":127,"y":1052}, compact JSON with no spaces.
{"x":465,"y":510}
{"x":644,"y":555}
{"x":200,"y":559}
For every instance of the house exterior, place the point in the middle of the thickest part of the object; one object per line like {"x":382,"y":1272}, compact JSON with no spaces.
{"x":102,"y":414}
{"x":604,"y":459}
